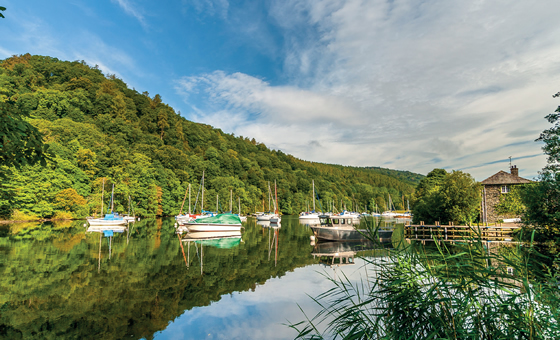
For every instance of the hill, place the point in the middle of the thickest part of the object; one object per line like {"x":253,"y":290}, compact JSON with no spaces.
{"x":100,"y":131}
{"x":402,"y":175}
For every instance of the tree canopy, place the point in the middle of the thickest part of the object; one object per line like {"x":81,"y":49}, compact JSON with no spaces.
{"x":447,"y":197}
{"x":542,"y":199}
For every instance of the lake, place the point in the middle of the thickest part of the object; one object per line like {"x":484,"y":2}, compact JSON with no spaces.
{"x":59,"y":281}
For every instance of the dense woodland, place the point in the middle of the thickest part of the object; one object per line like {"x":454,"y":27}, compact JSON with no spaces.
{"x":97,"y":130}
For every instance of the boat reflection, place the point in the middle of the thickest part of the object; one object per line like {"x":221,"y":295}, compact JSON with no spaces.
{"x":215,"y":239}
{"x":272,"y":241}
{"x":107,"y":231}
{"x":264,"y":224}
{"x":340,"y":253}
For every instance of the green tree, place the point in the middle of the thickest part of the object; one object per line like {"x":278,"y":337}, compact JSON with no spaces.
{"x":543,"y":198}
{"x":20,"y":142}
{"x":459,"y":198}
{"x":2,"y":9}
{"x":69,"y":200}
{"x":447,"y":197}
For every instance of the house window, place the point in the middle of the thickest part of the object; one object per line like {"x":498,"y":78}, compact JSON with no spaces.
{"x":505,"y":189}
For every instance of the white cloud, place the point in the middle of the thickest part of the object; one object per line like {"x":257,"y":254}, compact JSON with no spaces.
{"x":401,"y":84}
{"x":209,"y":7}
{"x":264,"y":312}
{"x":132,"y":10}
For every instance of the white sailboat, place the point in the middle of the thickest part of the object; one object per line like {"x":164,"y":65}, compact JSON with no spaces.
{"x":267,"y":215}
{"x":310,"y":215}
{"x":109,"y":219}
{"x":275,"y":218}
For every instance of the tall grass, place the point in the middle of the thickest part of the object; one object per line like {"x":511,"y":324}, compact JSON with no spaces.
{"x":464,"y":291}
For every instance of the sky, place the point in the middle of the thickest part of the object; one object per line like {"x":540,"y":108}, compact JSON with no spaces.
{"x":401,"y":84}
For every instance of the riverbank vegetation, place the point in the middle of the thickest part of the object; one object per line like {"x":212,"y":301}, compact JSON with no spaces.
{"x":84,"y":128}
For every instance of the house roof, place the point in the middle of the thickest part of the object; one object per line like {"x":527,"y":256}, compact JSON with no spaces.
{"x":503,"y":177}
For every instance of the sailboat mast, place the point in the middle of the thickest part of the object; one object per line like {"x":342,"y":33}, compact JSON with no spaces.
{"x":239,"y":203}
{"x":189,"y":198}
{"x":313,"y":182}
{"x":231,"y":201}
{"x":217,"y":212}
{"x":102,"y":193}
{"x":276,"y":194}
{"x":112,"y":196}
{"x":183,"y":204}
{"x":202,"y":203}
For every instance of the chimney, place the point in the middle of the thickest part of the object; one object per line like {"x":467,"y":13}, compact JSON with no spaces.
{"x":514,"y":170}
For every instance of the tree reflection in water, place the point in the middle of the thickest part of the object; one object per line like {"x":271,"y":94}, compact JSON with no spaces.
{"x":58,"y":280}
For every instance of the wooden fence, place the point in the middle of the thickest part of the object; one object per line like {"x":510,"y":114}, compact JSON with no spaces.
{"x":490,"y":233}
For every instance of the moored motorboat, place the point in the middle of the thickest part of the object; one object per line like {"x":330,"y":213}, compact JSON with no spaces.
{"x":336,"y":228}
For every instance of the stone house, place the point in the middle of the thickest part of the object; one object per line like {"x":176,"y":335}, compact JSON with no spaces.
{"x":495,"y":186}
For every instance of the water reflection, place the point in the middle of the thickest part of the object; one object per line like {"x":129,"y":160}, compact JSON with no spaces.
{"x":66,"y":279}
{"x":216,"y":239}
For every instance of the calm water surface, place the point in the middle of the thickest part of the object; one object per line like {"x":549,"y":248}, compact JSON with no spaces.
{"x":59,"y":281}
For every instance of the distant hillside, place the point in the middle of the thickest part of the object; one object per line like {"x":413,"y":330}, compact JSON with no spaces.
{"x":100,"y":131}
{"x":405,"y":176}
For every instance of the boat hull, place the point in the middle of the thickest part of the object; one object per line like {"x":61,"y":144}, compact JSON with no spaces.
{"x":195,"y":227}
{"x":265,"y":217}
{"x":312,"y":216}
{"x":101,"y":222}
{"x":208,"y":235}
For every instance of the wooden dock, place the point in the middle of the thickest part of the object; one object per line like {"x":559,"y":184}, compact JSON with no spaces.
{"x":461,"y":233}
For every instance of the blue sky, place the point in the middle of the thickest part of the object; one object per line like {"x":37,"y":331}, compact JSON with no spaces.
{"x":400,"y":84}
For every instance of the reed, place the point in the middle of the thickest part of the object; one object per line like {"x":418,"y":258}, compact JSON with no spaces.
{"x":465,"y":291}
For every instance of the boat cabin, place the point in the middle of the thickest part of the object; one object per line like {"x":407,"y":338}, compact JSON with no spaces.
{"x":335,"y":221}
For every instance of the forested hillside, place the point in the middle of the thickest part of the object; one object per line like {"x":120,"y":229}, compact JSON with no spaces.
{"x":405,"y":176}
{"x":99,"y":130}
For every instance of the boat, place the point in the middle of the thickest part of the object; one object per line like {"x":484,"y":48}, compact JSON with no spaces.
{"x":349,"y":214}
{"x":220,"y":222}
{"x":108,"y":220}
{"x":310,"y":215}
{"x":241,"y":217}
{"x":129,"y":218}
{"x":336,"y":228}
{"x":275,"y":218}
{"x":111,"y":219}
{"x":267,"y":215}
